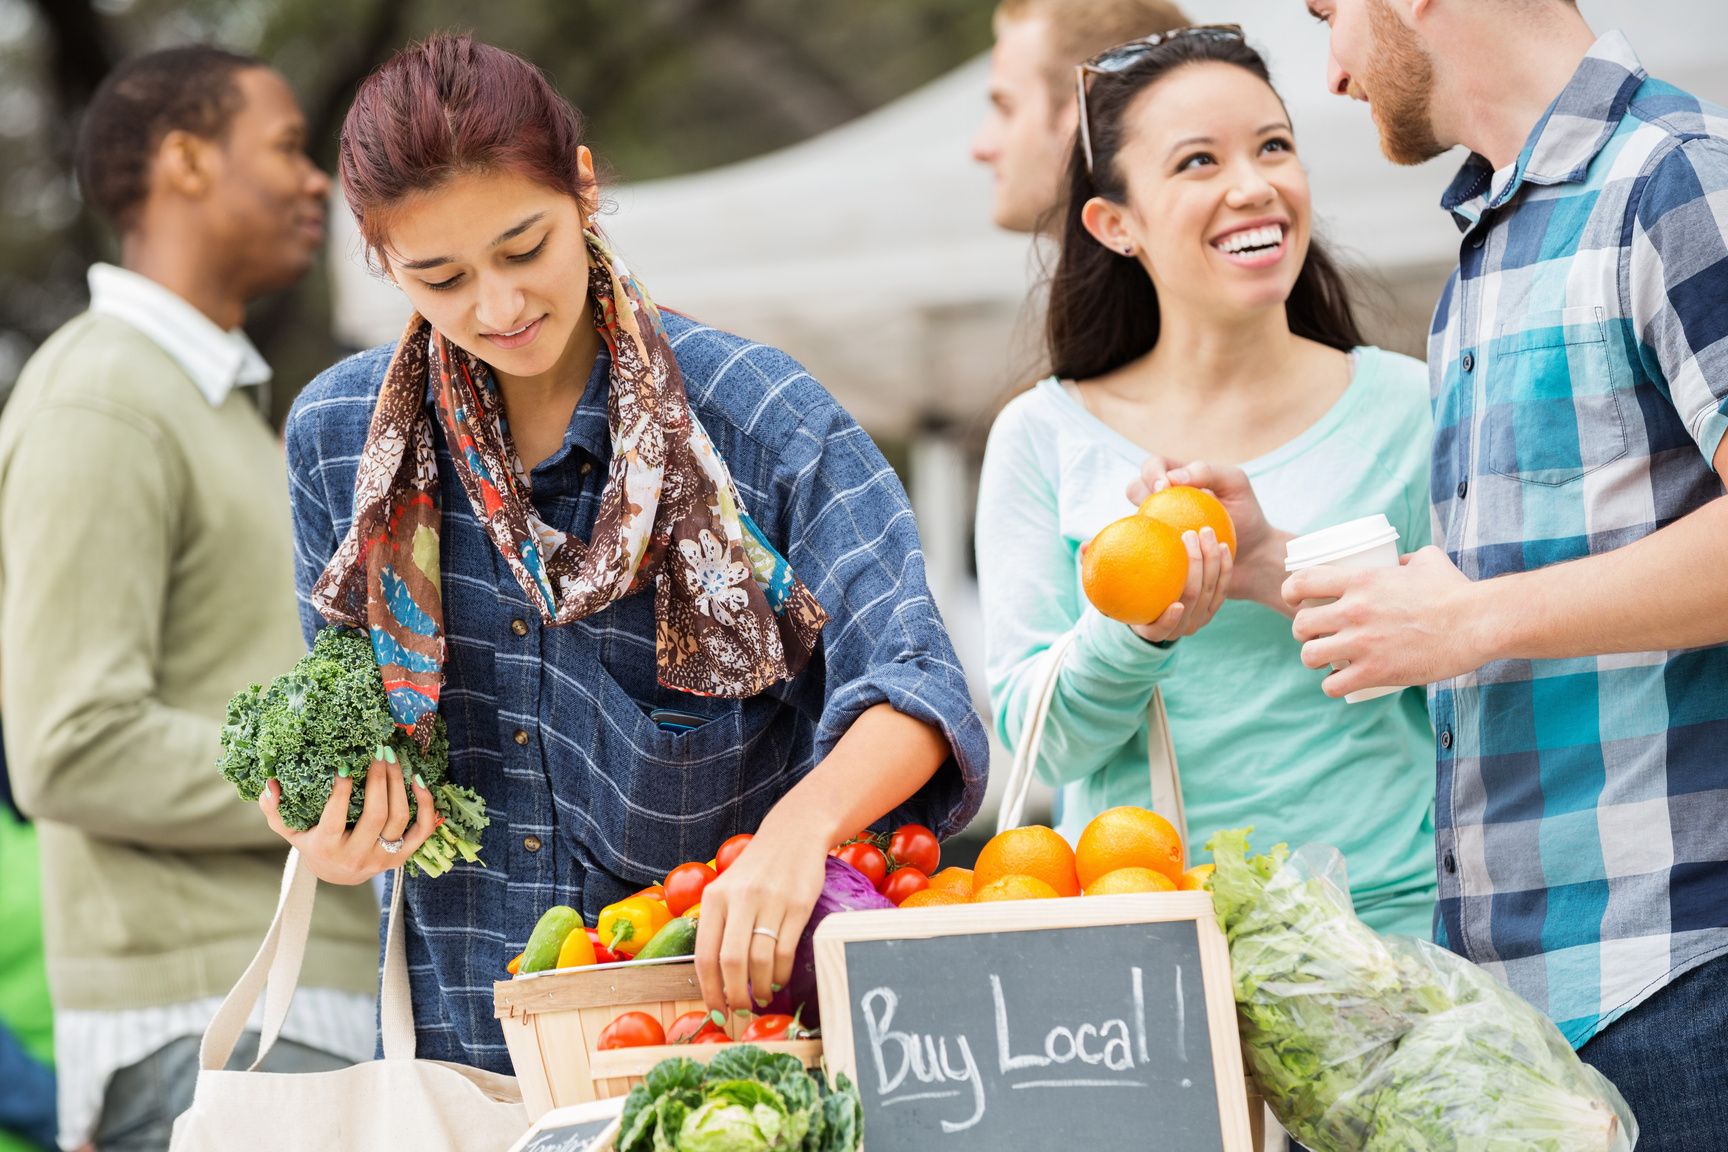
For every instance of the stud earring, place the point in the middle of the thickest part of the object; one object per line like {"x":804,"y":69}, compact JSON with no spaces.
{"x":1128,"y":251}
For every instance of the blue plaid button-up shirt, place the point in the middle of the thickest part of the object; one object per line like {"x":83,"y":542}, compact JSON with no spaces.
{"x":1579,"y":361}
{"x":589,"y":799}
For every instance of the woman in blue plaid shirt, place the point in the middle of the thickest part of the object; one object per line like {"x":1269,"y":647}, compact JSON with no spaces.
{"x":657,"y":585}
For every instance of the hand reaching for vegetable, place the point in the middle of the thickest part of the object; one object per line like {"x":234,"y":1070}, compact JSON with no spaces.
{"x":344,"y":855}
{"x":773,"y":884}
{"x":884,"y":757}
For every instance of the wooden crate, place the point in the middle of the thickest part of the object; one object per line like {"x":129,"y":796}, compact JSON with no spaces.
{"x":552,"y":1025}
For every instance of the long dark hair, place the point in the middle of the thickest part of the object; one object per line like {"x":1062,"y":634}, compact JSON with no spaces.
{"x":1103,"y":310}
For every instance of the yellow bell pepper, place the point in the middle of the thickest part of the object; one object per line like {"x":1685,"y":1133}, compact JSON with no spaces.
{"x":577,"y":950}
{"x":515,"y":964}
{"x":694,"y":912}
{"x":626,"y":926}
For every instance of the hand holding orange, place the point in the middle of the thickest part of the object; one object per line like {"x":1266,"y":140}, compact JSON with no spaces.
{"x":1134,"y":569}
{"x":1189,"y":510}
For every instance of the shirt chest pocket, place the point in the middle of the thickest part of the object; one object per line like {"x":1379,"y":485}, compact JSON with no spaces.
{"x":1553,"y":398}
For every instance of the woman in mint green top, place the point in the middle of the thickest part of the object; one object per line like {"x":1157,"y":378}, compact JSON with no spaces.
{"x":1193,"y":319}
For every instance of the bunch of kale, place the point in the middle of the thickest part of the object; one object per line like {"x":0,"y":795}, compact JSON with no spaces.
{"x":328,"y":713}
{"x":746,"y":1100}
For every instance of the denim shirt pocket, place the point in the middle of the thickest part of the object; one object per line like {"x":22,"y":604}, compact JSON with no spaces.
{"x":1553,"y":398}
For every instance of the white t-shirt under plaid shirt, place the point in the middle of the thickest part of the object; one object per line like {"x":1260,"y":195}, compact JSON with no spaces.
{"x":1579,"y":365}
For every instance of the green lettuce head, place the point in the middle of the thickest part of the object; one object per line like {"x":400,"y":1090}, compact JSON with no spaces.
{"x":741,"y":1116}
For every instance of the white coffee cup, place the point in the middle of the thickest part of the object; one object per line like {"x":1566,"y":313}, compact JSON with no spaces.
{"x":1370,"y":542}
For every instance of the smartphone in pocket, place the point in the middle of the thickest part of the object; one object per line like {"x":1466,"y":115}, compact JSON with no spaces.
{"x":677,"y":720}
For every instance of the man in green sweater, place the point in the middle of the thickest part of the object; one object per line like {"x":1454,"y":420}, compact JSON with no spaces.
{"x":145,"y":576}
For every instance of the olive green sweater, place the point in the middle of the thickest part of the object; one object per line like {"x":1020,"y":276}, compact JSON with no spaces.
{"x":146,"y":575}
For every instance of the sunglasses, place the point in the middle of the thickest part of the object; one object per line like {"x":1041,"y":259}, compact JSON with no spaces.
{"x":1125,"y":56}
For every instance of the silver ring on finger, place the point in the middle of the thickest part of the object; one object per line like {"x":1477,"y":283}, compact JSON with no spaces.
{"x":768,"y":932}
{"x":392,"y":846}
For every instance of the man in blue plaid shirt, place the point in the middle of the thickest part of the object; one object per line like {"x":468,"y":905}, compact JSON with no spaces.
{"x":1572,"y":622}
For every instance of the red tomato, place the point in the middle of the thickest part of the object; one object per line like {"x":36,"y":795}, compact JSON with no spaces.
{"x":729,"y":851}
{"x":632,"y":1030}
{"x":653,"y":892}
{"x":902,"y":882}
{"x":684,"y":886}
{"x":688,"y":1027}
{"x":868,"y":859}
{"x":916,"y":847}
{"x":603,"y":954}
{"x":714,"y":1037}
{"x":776,"y":1027}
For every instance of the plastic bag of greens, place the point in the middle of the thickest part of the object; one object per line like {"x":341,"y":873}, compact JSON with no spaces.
{"x":1367,"y":1043}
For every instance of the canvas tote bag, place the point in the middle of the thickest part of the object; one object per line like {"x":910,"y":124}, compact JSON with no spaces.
{"x":1161,"y":752}
{"x":385,"y":1105}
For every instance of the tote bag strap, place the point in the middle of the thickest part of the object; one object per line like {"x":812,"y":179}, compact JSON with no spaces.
{"x":1166,"y":780}
{"x":275,"y":971}
{"x":276,"y":965}
{"x":395,"y":1002}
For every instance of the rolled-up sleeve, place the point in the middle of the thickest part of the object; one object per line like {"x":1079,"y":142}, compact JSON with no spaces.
{"x":852,"y":539}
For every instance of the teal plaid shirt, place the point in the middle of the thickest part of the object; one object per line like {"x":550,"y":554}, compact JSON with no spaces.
{"x":1579,"y":364}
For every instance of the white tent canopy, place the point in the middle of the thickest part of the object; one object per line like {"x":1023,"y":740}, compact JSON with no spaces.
{"x":868,"y":253}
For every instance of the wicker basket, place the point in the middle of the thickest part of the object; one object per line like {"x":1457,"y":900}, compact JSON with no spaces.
{"x":552,"y":1024}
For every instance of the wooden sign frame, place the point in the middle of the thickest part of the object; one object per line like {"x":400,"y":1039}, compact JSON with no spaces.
{"x":576,"y":1114}
{"x":1034,"y":915}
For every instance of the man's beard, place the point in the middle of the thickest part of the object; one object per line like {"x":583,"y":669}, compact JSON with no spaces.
{"x":1399,"y":83}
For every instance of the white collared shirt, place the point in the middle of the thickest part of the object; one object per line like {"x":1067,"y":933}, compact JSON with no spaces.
{"x":216,"y":361}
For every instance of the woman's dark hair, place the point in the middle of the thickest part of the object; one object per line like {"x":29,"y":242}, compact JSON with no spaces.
{"x":449,"y":105}
{"x":1103,"y":309}
{"x":188,"y":89}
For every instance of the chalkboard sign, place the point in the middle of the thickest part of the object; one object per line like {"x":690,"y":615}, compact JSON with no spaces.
{"x":578,"y":1128}
{"x":1095,"y":1022}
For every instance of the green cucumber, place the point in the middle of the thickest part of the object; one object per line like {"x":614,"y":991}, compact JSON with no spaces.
{"x":548,"y":938}
{"x":678,"y":938}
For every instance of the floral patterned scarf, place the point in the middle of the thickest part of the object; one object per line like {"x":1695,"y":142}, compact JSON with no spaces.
{"x":730,"y":616}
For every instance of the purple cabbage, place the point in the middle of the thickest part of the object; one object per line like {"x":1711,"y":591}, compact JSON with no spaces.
{"x":844,"y":889}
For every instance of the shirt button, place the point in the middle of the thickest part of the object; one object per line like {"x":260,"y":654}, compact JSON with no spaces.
{"x":1477,"y":242}
{"x":1445,"y":737}
{"x":520,"y":627}
{"x":1451,"y":864}
{"x":587,"y":468}
{"x":1463,"y":487}
{"x":532,"y":843}
{"x":1469,"y":362}
{"x":520,"y":737}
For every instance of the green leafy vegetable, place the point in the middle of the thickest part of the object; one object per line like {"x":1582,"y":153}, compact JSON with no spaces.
{"x":329,"y":713}
{"x":1364,"y":1043}
{"x":746,"y":1100}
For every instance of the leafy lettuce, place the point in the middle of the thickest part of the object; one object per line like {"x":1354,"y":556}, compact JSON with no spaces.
{"x":1365,"y":1043}
{"x":746,"y":1100}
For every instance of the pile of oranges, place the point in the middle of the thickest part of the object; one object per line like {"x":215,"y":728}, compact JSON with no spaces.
{"x":1126,"y":849}
{"x":1137,"y":566}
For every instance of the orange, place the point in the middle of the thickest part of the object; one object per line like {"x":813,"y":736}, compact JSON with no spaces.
{"x":1130,"y":880}
{"x":1189,"y":510}
{"x":936,"y":898}
{"x":954,"y":880}
{"x":1134,"y":569}
{"x":1128,"y":837}
{"x":1035,"y":851}
{"x":1194,"y":880}
{"x":1015,"y":887}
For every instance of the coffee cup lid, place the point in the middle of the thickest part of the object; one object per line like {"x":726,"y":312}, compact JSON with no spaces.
{"x":1338,"y":541}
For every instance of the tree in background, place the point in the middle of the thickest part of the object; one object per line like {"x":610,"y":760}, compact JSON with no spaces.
{"x":669,"y":86}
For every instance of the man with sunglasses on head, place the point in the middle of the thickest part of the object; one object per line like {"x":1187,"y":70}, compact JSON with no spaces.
{"x":1029,"y":130}
{"x":1572,"y":622}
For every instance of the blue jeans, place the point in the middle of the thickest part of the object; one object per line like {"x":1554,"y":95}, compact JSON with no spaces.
{"x":1669,"y":1058}
{"x":26,"y":1093}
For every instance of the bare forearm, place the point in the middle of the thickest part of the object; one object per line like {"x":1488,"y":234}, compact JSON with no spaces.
{"x":883,"y":759}
{"x":1664,"y":592}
